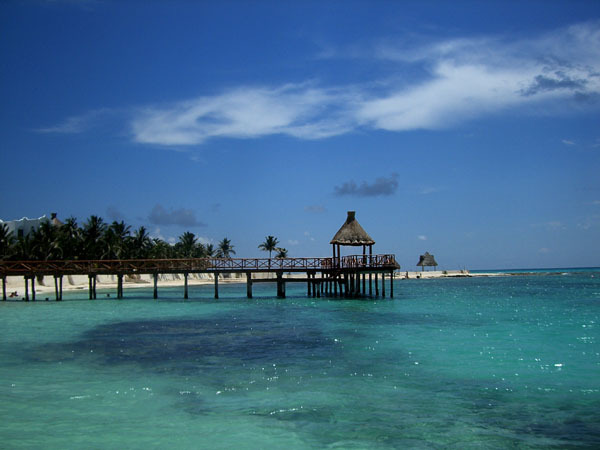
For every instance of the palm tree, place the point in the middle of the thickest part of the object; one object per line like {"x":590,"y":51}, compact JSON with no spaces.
{"x":140,"y":244}
{"x":93,"y":238}
{"x":281,"y":253}
{"x":6,"y":242}
{"x":186,"y":246}
{"x":269,"y":245}
{"x":161,"y":249}
{"x":116,"y":237}
{"x":23,"y":249}
{"x":45,"y":243}
{"x":69,"y":238}
{"x":209,"y":250}
{"x":225,"y":249}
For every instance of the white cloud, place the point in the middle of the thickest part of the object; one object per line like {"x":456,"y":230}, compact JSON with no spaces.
{"x":567,"y":142}
{"x":461,"y":79}
{"x":300,"y":110}
{"x":422,"y":237}
{"x":544,"y":250}
{"x":293,"y":242}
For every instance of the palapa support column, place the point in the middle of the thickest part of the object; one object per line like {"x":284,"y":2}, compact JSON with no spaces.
{"x":391,"y":284}
{"x":155,"y":286}
{"x":280,"y":285}
{"x":33,"y":288}
{"x":364,"y":284}
{"x":370,"y":285}
{"x":26,"y":289}
{"x":308,"y":284}
{"x":249,"y":284}
{"x":216,"y":284}
{"x":376,"y":285}
{"x":335,"y":285}
{"x":383,"y":284}
{"x":4,"y":288}
{"x":185,"y":285}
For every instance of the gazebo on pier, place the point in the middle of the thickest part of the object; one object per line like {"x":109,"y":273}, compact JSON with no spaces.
{"x":427,"y":260}
{"x":352,"y":234}
{"x":356,"y":267}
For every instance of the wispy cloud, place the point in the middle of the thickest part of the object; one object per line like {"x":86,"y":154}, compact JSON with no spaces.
{"x":81,"y":123}
{"x":429,"y":190}
{"x":567,"y":142}
{"x":114,"y":213}
{"x":422,"y":237}
{"x":461,"y":79}
{"x":182,"y":217}
{"x":299,"y":110}
{"x":381,"y":186}
{"x":315,"y":209}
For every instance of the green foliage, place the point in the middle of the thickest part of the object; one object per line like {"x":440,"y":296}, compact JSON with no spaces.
{"x":6,"y":242}
{"x":98,"y":240}
{"x":269,"y":245}
{"x":225,"y":249}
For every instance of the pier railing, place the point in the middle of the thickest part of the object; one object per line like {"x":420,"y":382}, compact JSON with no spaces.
{"x":191,"y":265}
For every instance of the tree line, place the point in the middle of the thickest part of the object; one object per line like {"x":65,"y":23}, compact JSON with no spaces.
{"x":96,"y":239}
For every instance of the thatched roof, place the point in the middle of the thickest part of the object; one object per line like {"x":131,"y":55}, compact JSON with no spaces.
{"x":352,"y":233}
{"x":427,"y":260}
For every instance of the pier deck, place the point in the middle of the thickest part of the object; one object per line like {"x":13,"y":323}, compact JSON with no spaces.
{"x":326,"y":276}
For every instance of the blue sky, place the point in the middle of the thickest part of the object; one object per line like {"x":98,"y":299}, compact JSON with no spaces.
{"x":467,"y":129}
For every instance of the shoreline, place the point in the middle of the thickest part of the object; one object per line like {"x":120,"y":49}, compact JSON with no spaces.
{"x":15,"y":284}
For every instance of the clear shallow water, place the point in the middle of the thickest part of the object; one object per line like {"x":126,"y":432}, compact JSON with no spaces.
{"x":448,"y":363}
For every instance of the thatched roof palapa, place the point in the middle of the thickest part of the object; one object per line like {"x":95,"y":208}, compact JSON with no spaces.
{"x":351,"y":233}
{"x":427,"y":260}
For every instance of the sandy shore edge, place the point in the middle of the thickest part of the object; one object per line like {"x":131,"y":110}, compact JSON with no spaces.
{"x":16,"y":285}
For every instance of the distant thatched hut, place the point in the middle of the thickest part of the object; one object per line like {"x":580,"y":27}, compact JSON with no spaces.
{"x":351,"y":233}
{"x":427,"y":260}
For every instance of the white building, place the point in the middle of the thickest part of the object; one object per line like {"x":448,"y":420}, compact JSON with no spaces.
{"x":25,"y":226}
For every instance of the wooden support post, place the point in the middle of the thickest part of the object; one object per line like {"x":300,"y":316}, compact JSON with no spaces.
{"x":364,"y":286}
{"x":391,"y":284}
{"x":308,"y":284}
{"x":120,"y":286}
{"x":216,"y":285}
{"x":60,"y":287}
{"x":346,"y":285}
{"x":4,"y":288}
{"x":33,"y":288}
{"x":376,"y":285}
{"x":335,"y":285}
{"x":90,"y":295}
{"x":370,"y":285}
{"x":155,"y":295}
{"x":56,"y":294}
{"x":249,"y":284}
{"x":357,"y":291}
{"x":26,"y":289}
{"x":185,"y":285}
{"x":94,"y":281}
{"x":280,"y":285}
{"x":383,"y":284}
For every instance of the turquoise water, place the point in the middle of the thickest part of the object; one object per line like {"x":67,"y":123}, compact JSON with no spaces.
{"x":449,"y":363}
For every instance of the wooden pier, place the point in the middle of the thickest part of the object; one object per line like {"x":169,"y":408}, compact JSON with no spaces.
{"x":348,"y":276}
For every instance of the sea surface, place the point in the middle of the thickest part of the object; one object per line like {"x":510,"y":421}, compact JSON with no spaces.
{"x":498,"y":362}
